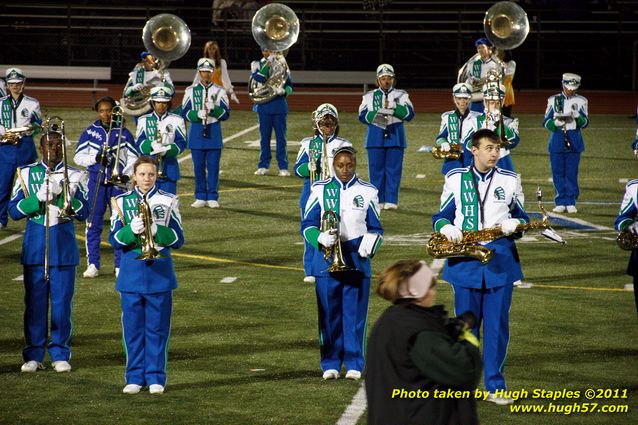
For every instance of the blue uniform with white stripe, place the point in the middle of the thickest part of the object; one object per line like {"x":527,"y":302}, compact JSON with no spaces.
{"x":626,"y":217}
{"x":342,"y":298}
{"x":146,"y":286}
{"x":564,"y":159}
{"x":205,"y":151}
{"x":63,"y":259}
{"x":385,"y":138}
{"x":272,"y":115}
{"x":484,"y":289}
{"x":89,"y":146}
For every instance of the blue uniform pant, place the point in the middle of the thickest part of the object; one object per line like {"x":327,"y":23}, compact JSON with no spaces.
{"x":342,"y":302}
{"x":385,"y":166}
{"x":60,"y":291}
{"x":146,"y":324}
{"x":94,"y":233}
{"x":7,"y":173}
{"x":206,"y":162}
{"x":268,"y":122}
{"x":491,"y":306}
{"x":167,"y":186}
{"x":308,"y":249}
{"x":565,"y":177}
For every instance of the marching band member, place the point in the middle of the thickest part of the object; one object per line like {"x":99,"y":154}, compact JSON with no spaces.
{"x":476,"y":69}
{"x":31,"y":195}
{"x":90,"y":152}
{"x":490,"y":119}
{"x":342,"y":297}
{"x":384,"y":110}
{"x":626,"y":221}
{"x":162,"y":134}
{"x":272,"y":115}
{"x":475,"y":198}
{"x":452,"y":123}
{"x":565,"y":115}
{"x":146,"y":286}
{"x":220,"y":73}
{"x":16,"y":110}
{"x":205,"y":105}
{"x":326,"y":125}
{"x":146,"y":74}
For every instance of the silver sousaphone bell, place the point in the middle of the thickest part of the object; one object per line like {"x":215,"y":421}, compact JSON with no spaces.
{"x":506,"y":25}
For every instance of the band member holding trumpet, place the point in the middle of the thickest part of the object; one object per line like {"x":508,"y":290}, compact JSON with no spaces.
{"x":146,"y":225}
{"x":341,"y":219}
{"x":626,"y":223}
{"x":452,"y":126}
{"x":565,"y":116}
{"x":474,"y":198}
{"x":205,"y":105}
{"x":475,"y":70}
{"x":314,"y":162}
{"x":384,"y":110}
{"x":107,"y":150}
{"x":49,"y":194}
{"x":19,"y":123}
{"x":163,"y":135}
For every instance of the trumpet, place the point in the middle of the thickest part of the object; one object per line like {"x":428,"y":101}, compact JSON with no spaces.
{"x":159,"y":154}
{"x":66,"y":211}
{"x":330,"y":222}
{"x":117,"y":116}
{"x":439,"y":247}
{"x":149,"y":251}
{"x":627,"y":240}
{"x":13,"y":135}
{"x":322,"y":158}
{"x":454,"y":153}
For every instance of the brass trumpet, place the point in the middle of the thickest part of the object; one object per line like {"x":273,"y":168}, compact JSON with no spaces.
{"x":330,"y":222}
{"x":454,"y":152}
{"x":439,"y":247}
{"x":117,"y":117}
{"x":149,"y":251}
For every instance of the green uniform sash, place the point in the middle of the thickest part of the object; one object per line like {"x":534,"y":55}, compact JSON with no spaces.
{"x":377,"y":100}
{"x":469,"y":202}
{"x":331,"y":197}
{"x":198,"y":95}
{"x":453,"y":128}
{"x":476,"y":68}
{"x":34,"y":182}
{"x":559,"y":104}
{"x":7,"y":113}
{"x":315,"y":148}
{"x":139,"y":75}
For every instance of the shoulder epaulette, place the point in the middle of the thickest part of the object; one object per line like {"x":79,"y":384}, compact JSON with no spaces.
{"x":457,"y":171}
{"x":632,"y":182}
{"x":321,"y":182}
{"x":506,"y":172}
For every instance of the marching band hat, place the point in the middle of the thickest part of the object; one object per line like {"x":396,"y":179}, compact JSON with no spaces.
{"x":484,"y":41}
{"x":462,"y":90}
{"x":325,"y":109}
{"x":418,"y":284}
{"x":15,"y":75}
{"x":205,"y":64}
{"x":385,"y":69}
{"x":571,"y":81}
{"x":490,"y":92}
{"x":161,"y":94}
{"x":143,"y":55}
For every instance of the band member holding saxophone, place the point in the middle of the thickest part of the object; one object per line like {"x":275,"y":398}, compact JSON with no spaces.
{"x":205,"y":105}
{"x":475,"y":198}
{"x":19,"y":123}
{"x":384,"y":110}
{"x":97,"y":148}
{"x":565,"y":116}
{"x":452,"y":123}
{"x":146,"y":225}
{"x":476,"y":68}
{"x":49,"y":252}
{"x":163,"y":135}
{"x":342,"y":219}
{"x":314,"y":162}
{"x":626,"y":224}
{"x":272,"y":114}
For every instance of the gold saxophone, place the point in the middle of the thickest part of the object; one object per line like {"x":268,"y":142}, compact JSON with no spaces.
{"x":13,"y":135}
{"x":330,"y":221}
{"x":439,"y":247}
{"x":627,"y":240}
{"x":149,"y":251}
{"x":454,"y":152}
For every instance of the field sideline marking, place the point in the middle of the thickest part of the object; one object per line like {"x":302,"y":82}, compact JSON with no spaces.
{"x":11,"y":238}
{"x":227,"y":139}
{"x":355,"y":409}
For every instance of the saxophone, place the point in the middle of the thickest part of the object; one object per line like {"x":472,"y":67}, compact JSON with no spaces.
{"x":454,"y":152}
{"x":439,"y":247}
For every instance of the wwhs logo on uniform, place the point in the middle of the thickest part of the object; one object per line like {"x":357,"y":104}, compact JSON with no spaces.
{"x":499,"y":193}
{"x":158,"y":212}
{"x":358,"y":201}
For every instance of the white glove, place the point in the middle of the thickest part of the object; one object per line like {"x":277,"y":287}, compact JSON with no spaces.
{"x":328,"y":238}
{"x":233,"y":97}
{"x":3,"y":130}
{"x":633,"y":228}
{"x":137,"y":87}
{"x":445,"y":147}
{"x":452,"y":233}
{"x":575,"y":113}
{"x":280,"y":91}
{"x":496,"y":115}
{"x":210,"y":105}
{"x":201,"y":114}
{"x":41,"y":194}
{"x":137,"y":225}
{"x":55,"y":187}
{"x":363,"y":253}
{"x":154,"y":229}
{"x":392,"y":104}
{"x":366,"y":247}
{"x":385,"y":111}
{"x":558,"y":122}
{"x":508,"y":226}
{"x":159,"y":148}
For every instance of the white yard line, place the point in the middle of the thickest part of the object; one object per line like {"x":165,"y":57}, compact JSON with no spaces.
{"x":579,"y":221}
{"x":11,"y":238}
{"x":355,"y":409}
{"x":227,"y":139}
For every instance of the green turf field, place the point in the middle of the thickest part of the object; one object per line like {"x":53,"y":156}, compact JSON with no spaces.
{"x":247,"y":352}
